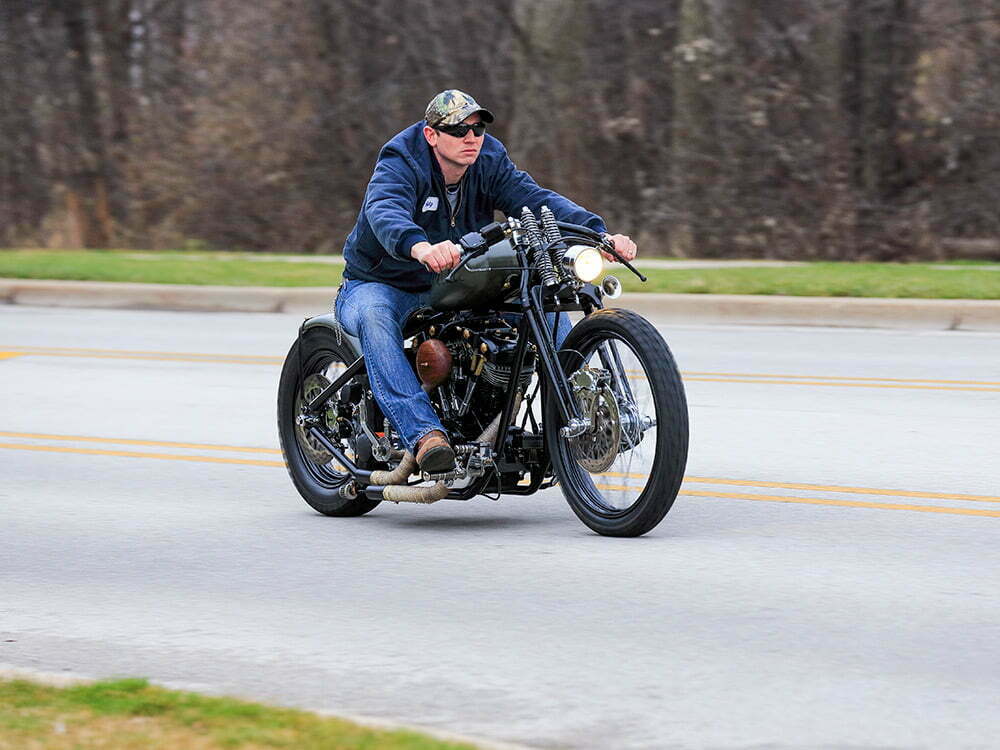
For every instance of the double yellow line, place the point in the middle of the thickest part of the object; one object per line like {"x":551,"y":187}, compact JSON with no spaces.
{"x":845,"y":382}
{"x":62,"y":446}
{"x":140,"y":454}
{"x":835,"y":381}
{"x":7,"y":352}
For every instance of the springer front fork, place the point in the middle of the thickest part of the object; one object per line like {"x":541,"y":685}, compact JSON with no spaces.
{"x":574,"y":422}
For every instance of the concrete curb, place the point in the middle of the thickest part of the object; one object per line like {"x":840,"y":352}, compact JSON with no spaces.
{"x":965,"y":315}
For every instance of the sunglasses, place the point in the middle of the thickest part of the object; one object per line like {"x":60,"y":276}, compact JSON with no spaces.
{"x":459,"y":131}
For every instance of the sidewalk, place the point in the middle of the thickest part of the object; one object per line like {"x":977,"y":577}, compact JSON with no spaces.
{"x":965,"y":315}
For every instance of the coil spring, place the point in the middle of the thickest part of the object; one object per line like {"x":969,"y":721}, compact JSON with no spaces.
{"x":539,"y":257}
{"x":552,"y":234}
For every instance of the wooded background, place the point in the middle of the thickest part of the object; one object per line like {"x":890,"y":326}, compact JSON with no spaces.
{"x":840,"y":129}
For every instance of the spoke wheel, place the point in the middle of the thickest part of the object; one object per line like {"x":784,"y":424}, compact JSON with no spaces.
{"x":622,"y":474}
{"x":313,"y":362}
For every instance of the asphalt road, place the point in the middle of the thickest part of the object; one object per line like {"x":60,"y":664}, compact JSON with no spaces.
{"x":828,"y":577}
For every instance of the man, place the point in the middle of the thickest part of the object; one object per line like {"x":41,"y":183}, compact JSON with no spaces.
{"x":433,"y":182}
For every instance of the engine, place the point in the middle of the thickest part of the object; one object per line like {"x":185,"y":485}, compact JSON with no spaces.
{"x":466,"y":366}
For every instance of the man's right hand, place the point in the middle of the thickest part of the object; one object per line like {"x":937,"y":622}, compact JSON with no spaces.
{"x":439,"y":257}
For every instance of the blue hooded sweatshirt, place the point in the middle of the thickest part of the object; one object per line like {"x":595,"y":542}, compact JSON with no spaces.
{"x":406,"y":203}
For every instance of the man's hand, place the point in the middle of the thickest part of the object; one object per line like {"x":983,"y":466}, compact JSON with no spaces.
{"x":439,"y":257}
{"x":623,"y":245}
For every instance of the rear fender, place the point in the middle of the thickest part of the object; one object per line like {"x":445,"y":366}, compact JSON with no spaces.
{"x":329,"y":320}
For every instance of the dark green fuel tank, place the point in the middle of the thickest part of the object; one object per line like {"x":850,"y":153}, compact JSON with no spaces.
{"x":482,"y":282}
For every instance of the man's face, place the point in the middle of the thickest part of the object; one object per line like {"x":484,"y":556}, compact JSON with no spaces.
{"x":457,"y":151}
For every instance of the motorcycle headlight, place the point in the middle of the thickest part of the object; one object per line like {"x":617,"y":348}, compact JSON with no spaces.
{"x":585,"y":262}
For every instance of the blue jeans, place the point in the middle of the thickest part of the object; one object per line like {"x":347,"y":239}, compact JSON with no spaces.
{"x":375,"y":313}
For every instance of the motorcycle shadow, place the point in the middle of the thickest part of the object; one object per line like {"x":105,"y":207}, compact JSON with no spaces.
{"x":459,"y":523}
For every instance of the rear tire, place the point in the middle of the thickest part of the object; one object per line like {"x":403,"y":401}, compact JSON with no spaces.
{"x":319,"y":352}
{"x":621,"y":479}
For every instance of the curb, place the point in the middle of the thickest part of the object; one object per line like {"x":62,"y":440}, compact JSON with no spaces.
{"x":732,"y":309}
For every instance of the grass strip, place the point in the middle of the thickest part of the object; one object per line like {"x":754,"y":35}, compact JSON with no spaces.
{"x":226,"y":269}
{"x":909,"y":280}
{"x":132,"y":715}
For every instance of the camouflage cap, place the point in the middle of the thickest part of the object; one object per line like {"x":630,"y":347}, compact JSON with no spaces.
{"x":452,"y":106}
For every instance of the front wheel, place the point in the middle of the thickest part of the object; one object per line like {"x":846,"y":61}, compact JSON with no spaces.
{"x":623,"y":472}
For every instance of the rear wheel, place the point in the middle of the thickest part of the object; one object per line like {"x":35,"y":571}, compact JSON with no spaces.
{"x":622,"y":474}
{"x":314,"y":361}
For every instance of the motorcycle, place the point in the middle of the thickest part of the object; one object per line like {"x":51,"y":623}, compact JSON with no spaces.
{"x":602,"y":415}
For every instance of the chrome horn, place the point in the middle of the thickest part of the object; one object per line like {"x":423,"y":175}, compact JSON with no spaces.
{"x":611,"y":287}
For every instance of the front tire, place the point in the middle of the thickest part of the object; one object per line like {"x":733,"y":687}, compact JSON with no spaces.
{"x":315,"y":355}
{"x":622,"y":475}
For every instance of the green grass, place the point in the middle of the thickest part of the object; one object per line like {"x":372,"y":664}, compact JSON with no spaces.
{"x":922,"y":280}
{"x":126,"y":714}
{"x":827,"y":280}
{"x":229,"y":269}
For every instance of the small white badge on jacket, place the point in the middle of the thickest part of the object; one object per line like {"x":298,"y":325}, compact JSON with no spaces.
{"x":431,"y":204}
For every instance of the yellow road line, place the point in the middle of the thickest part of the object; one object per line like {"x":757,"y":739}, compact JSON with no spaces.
{"x":823,"y":501}
{"x":843,"y":381}
{"x":837,"y":377}
{"x":847,"y":503}
{"x":816,"y":487}
{"x":693,"y":493}
{"x":839,"y":488}
{"x":136,"y":454}
{"x":615,"y":474}
{"x":128,"y":441}
{"x":841,"y":385}
{"x":146,"y":355}
{"x":84,"y":351}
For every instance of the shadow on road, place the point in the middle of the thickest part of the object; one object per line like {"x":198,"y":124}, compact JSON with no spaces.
{"x":454,"y":523}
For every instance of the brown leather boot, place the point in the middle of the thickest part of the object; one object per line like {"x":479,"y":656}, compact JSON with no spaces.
{"x":434,"y":453}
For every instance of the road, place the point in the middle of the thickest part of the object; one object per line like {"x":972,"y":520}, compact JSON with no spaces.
{"x":828,"y":576}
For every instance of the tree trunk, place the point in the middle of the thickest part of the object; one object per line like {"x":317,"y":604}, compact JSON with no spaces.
{"x":549,"y":64}
{"x":88,"y":180}
{"x":695,"y":129}
{"x":23,"y":189}
{"x":115,"y":27}
{"x":879,"y":51}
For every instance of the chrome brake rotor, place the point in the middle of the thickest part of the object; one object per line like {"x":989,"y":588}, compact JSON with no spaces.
{"x":596,"y":448}
{"x":311,"y":388}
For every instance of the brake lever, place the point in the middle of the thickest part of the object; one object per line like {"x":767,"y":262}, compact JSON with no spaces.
{"x":610,"y":247}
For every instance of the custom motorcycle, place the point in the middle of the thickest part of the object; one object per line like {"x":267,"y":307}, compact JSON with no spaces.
{"x":603,"y":415}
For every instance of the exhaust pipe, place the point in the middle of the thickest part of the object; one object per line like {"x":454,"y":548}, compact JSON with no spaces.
{"x":399,"y":475}
{"x":391,"y":485}
{"x":403,"y":494}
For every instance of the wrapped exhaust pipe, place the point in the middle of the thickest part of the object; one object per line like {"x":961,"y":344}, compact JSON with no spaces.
{"x":391,"y":485}
{"x":402,"y":494}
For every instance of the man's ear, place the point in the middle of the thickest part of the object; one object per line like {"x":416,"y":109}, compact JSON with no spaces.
{"x":431,"y":135}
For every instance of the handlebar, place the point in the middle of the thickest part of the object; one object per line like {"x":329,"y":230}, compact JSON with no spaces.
{"x":475,"y":244}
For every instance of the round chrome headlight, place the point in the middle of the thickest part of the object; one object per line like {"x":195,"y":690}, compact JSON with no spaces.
{"x":585,"y":262}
